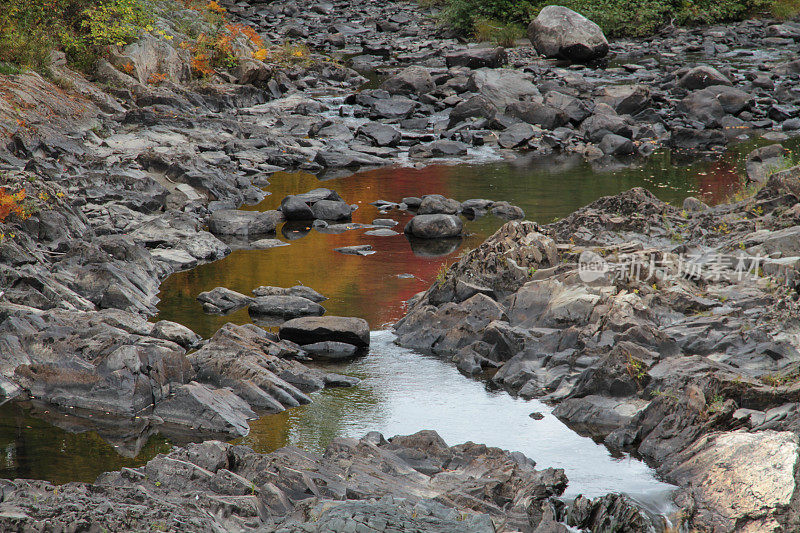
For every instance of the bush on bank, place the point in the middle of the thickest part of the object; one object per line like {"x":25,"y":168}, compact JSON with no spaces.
{"x":616,"y":17}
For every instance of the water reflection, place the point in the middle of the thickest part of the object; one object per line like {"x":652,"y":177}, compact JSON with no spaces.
{"x":402,"y":392}
{"x":369,"y":286}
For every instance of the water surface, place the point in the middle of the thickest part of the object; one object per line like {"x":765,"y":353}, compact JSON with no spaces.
{"x":401,"y":391}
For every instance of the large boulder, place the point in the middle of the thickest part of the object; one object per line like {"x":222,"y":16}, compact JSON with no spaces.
{"x":243,"y":223}
{"x":434,"y":226}
{"x":295,"y":208}
{"x":478,"y":58}
{"x":502,"y":86}
{"x":412,"y":80}
{"x":311,"y":330}
{"x":562,"y":33}
{"x":539,"y":114}
{"x":151,"y":57}
{"x":331,"y":210}
{"x":477,"y":107}
{"x":701,"y":77}
{"x":285,"y":306}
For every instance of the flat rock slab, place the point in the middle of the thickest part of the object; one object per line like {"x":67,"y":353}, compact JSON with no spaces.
{"x":285,"y":306}
{"x":364,"y":249}
{"x":298,"y":290}
{"x":310,"y":330}
{"x":206,"y":409}
{"x":222,"y":300}
{"x":331,"y":351}
{"x":243,"y":223}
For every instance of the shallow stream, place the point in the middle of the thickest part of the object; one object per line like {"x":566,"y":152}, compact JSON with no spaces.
{"x":402,"y":391}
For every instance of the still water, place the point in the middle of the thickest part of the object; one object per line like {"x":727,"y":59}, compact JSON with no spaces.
{"x":401,"y":391}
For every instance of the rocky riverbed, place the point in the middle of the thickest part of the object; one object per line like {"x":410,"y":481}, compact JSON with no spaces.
{"x":681,"y":346}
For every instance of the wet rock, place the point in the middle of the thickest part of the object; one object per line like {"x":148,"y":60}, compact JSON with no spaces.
{"x":560,"y":32}
{"x":206,"y":410}
{"x":434,"y":226}
{"x":477,"y":58}
{"x":284,"y":306}
{"x":440,"y":148}
{"x":298,"y":290}
{"x":243,"y":223}
{"x":362,"y":249}
{"x":701,"y":77}
{"x":438,"y":204}
{"x":331,"y":210}
{"x":310,"y":330}
{"x":762,"y":162}
{"x":477,"y":106}
{"x":295,"y":208}
{"x":331,"y":351}
{"x":222,"y":300}
{"x":380,"y":134}
{"x":516,"y":135}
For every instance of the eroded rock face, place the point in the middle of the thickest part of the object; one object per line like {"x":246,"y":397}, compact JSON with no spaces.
{"x":739,"y":481}
{"x":414,"y":481}
{"x":560,"y":32}
{"x":674,"y":364}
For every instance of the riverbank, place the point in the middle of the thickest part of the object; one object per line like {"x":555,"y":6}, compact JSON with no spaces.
{"x":126,"y":182}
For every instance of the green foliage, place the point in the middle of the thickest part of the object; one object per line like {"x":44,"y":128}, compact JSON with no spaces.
{"x":616,"y":17}
{"x":83,"y":29}
{"x":502,"y":33}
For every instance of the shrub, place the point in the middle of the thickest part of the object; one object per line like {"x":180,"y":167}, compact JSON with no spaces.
{"x":30,"y":29}
{"x":502,"y":33}
{"x":11,"y":203}
{"x":616,"y":17}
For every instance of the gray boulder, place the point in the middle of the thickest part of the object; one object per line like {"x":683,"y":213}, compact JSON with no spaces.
{"x":562,"y":33}
{"x":380,"y":134}
{"x":330,"y":350}
{"x":331,"y":210}
{"x":222,"y":300}
{"x":477,"y":106}
{"x":434,"y":226}
{"x":285,"y":307}
{"x":478,"y":58}
{"x":412,"y":80}
{"x":538,"y":113}
{"x":298,"y":290}
{"x":243,"y":223}
{"x":206,"y":409}
{"x":295,"y":208}
{"x":701,"y":77}
{"x":436,"y":203}
{"x":502,"y":86}
{"x":763,"y":161}
{"x":311,"y":330}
